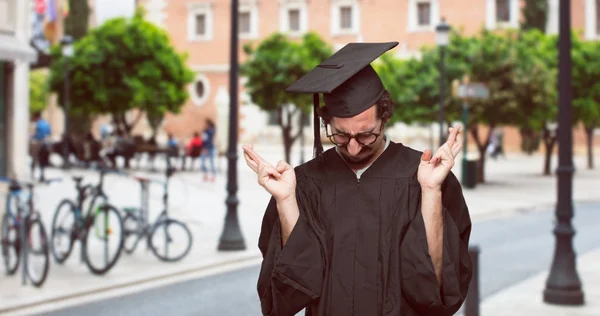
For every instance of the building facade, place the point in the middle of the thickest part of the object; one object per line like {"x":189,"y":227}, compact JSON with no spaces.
{"x":202,"y":29}
{"x":16,"y":56}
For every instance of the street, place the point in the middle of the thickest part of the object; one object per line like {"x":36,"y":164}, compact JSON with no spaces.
{"x":512,"y":249}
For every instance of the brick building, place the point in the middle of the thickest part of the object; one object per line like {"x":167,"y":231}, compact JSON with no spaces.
{"x":202,"y":28}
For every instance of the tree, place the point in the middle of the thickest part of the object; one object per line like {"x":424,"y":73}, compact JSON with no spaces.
{"x":77,"y":22}
{"x":487,"y":58}
{"x":535,"y":88}
{"x":492,"y":62}
{"x":273,"y":66}
{"x":39,"y":91}
{"x":586,"y":89}
{"x":535,"y":14}
{"x":124,"y":64}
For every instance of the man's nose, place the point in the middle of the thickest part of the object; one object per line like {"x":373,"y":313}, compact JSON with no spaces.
{"x":353,"y":147}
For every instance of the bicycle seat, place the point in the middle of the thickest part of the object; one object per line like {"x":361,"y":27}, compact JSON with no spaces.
{"x":77,"y":179}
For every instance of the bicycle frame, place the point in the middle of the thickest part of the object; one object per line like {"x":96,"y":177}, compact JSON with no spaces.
{"x":21,"y":218}
{"x":142,"y":219}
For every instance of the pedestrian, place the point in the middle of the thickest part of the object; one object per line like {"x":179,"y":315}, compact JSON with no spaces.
{"x":172,"y":149}
{"x":208,"y":151}
{"x":194,"y":148}
{"x":370,"y":226}
{"x":40,"y":145}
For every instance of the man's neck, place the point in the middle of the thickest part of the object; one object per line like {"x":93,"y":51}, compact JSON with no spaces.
{"x":356,"y":167}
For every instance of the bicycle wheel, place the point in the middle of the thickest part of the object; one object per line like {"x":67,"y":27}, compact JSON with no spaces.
{"x":63,"y":233}
{"x":37,"y":254}
{"x":170,"y":240}
{"x":103,"y":240}
{"x":131,"y":233}
{"x":10,"y":245}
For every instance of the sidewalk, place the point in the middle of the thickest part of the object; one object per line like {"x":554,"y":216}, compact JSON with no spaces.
{"x":526,"y":298}
{"x":514,"y":185}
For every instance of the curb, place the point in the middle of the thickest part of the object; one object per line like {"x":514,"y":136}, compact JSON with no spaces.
{"x":121,"y":285}
{"x":528,"y":209}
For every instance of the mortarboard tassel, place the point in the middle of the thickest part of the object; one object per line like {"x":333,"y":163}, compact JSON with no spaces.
{"x":318,"y":147}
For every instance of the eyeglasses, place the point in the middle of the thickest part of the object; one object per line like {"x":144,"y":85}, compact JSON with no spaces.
{"x":343,"y":139}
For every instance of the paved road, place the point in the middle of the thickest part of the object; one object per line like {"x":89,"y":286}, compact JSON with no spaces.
{"x":513,"y":248}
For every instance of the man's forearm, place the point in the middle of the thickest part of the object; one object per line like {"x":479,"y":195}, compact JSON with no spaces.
{"x":431,"y":209}
{"x":288,"y":217}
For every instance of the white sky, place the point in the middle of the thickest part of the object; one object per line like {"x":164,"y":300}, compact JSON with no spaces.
{"x":108,"y":9}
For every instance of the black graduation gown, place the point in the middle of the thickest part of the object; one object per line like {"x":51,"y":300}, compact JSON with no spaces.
{"x":359,"y":247}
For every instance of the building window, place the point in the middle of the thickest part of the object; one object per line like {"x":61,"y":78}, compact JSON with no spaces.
{"x":244,"y":22}
{"x":502,"y":11}
{"x":200,"y":90}
{"x":293,"y":17}
{"x":200,"y":25}
{"x":294,"y":20}
{"x":248,"y":20}
{"x":424,"y":13}
{"x":345,"y":17}
{"x":502,"y":14}
{"x":200,"y":22}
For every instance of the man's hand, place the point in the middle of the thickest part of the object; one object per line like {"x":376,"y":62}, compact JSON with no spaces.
{"x":433,"y":170}
{"x":279,"y":181}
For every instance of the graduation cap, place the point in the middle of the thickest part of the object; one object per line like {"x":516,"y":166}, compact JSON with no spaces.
{"x":347,"y":81}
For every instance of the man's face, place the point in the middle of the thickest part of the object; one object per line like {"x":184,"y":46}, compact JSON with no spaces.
{"x":367,"y":121}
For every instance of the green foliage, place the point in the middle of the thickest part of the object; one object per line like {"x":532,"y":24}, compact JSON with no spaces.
{"x":274,"y":65}
{"x":494,"y":62}
{"x":121,"y":65}
{"x":535,"y":84}
{"x":39,"y":91}
{"x":77,"y":22}
{"x":414,"y":83}
{"x":586,"y":82}
{"x":535,"y":14}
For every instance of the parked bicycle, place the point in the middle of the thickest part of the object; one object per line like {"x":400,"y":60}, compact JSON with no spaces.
{"x":24,"y":243}
{"x":101,"y":223}
{"x":162,"y":234}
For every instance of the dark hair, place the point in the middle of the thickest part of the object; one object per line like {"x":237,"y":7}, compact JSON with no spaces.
{"x":210,"y":123}
{"x":385,"y":108}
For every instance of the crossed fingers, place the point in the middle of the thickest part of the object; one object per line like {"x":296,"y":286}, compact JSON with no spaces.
{"x":259,"y":165}
{"x":450,"y":149}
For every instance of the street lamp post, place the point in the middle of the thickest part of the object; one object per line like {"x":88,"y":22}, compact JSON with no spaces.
{"x":67,"y":52}
{"x":231,"y":237}
{"x":563,"y":285}
{"x":442,"y":38}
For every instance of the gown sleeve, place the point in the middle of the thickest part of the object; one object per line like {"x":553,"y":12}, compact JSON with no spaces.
{"x":419,"y":282}
{"x":291,"y":276}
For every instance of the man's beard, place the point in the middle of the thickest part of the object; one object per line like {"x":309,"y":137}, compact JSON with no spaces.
{"x":363,"y":157}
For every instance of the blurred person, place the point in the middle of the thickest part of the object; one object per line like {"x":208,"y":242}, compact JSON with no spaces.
{"x":370,"y":226}
{"x":40,"y":144}
{"x":194,"y":148}
{"x":172,"y":148}
{"x":109,"y":148}
{"x":208,"y":151}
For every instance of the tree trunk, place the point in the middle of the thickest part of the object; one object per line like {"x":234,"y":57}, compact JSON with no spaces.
{"x":481,"y":146}
{"x":301,"y":135}
{"x":589,"y":132}
{"x":549,"y":142}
